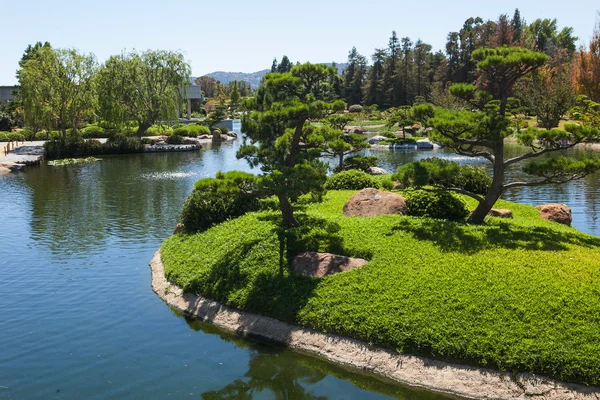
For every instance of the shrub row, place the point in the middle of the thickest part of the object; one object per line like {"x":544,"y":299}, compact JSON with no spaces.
{"x":76,"y":146}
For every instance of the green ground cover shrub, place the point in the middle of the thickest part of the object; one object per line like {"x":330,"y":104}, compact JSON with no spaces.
{"x":436,"y":204}
{"x":353,"y":179}
{"x":518,"y":295}
{"x":215,"y":200}
{"x":11,"y":137}
{"x":94,"y":131}
{"x":175,"y":138}
{"x":362,"y":163}
{"x":159,"y":130}
{"x":77,"y":146}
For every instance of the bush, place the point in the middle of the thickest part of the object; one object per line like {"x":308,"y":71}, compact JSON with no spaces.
{"x":11,"y":137}
{"x":351,"y":180}
{"x":175,"y":138}
{"x":215,"y":200}
{"x":181,"y":131}
{"x":355,"y":108}
{"x":203,"y":129}
{"x":159,"y":130}
{"x":93,"y":131}
{"x":444,"y":173}
{"x":436,"y":204}
{"x":360,"y":163}
{"x":224,"y":130}
{"x":77,"y":146}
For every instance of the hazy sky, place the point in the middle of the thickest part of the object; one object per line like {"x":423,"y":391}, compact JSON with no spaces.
{"x":244,"y":36}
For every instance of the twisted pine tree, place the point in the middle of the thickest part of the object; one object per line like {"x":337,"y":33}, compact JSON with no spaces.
{"x":278,"y":137}
{"x":481,"y":133}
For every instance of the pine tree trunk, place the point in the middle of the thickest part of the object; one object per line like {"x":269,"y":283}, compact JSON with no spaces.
{"x":483,"y":208}
{"x":287,"y":211}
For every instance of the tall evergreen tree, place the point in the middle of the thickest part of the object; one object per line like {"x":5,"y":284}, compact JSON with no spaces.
{"x":407,"y":89}
{"x":354,"y":76}
{"x":517,"y":26}
{"x":391,"y":84}
{"x":274,"y":65}
{"x":285,"y":65}
{"x":422,"y":51}
{"x":374,"y":93}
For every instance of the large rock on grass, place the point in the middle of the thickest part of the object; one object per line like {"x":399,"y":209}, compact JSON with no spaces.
{"x":500,"y":213}
{"x":376,"y":171}
{"x":314,"y":264}
{"x":372,"y":202}
{"x":556,"y":212}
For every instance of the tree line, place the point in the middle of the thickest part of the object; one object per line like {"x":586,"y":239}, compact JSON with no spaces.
{"x":405,"y":70}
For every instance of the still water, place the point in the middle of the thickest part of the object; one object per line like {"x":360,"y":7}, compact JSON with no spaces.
{"x":78,"y":319}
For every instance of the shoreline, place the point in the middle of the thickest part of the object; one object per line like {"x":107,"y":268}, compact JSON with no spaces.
{"x":416,"y":371}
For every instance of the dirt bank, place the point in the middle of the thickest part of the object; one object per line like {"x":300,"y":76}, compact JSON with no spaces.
{"x":439,"y":376}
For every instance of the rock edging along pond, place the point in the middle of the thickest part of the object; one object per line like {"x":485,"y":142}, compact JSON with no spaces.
{"x":416,"y":371}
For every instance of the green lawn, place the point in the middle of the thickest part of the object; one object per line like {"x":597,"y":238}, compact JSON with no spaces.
{"x":519,"y":295}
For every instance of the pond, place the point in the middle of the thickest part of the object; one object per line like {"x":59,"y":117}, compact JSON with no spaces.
{"x":79,"y":319}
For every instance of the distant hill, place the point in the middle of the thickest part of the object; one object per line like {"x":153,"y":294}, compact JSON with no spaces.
{"x":253,"y":78}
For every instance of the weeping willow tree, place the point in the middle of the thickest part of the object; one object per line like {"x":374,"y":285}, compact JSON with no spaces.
{"x":144,"y":87}
{"x":58,"y":88}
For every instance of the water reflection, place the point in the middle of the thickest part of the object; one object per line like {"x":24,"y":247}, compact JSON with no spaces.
{"x":275,"y":372}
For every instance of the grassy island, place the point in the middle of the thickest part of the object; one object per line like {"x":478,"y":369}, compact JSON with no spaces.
{"x":517,"y":295}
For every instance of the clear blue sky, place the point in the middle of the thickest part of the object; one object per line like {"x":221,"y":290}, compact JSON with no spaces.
{"x":244,"y":36}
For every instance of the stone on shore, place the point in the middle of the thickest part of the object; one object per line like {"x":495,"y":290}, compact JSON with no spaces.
{"x":178,"y":228}
{"x":371,"y":202}
{"x":500,"y":213}
{"x":556,"y":212}
{"x":377,"y":171}
{"x":313,"y":264}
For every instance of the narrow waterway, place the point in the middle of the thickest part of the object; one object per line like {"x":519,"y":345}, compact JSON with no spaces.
{"x":78,"y":318}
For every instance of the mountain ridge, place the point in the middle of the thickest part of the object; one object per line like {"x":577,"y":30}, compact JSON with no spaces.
{"x":252,"y":78}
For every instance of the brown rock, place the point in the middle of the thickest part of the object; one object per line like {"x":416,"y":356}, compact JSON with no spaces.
{"x":500,"y":213}
{"x":376,"y":171}
{"x":178,"y":229}
{"x":320,"y":264}
{"x":190,"y":141}
{"x":556,"y":212}
{"x":216,"y":136}
{"x":372,"y":202}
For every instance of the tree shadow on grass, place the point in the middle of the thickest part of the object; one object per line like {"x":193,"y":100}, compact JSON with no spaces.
{"x":469,"y":239}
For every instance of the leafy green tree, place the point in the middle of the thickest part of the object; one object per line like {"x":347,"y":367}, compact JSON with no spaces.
{"x":402,"y":116}
{"x":548,"y":93}
{"x":144,"y":87}
{"x":57,"y":88}
{"x":482,"y":133}
{"x":235,"y":96}
{"x":277,"y":135}
{"x":338,"y":145}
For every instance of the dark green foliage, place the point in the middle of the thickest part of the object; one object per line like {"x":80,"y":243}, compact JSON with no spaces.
{"x":175,"y":138}
{"x":191,"y":130}
{"x":77,"y":146}
{"x":518,"y":295}
{"x":215,"y":200}
{"x":94,"y":131}
{"x":351,"y":180}
{"x":445,"y":174}
{"x":436,"y":204}
{"x":11,"y":137}
{"x":360,"y":163}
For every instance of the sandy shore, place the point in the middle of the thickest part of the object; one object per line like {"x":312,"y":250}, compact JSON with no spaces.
{"x":464,"y":381}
